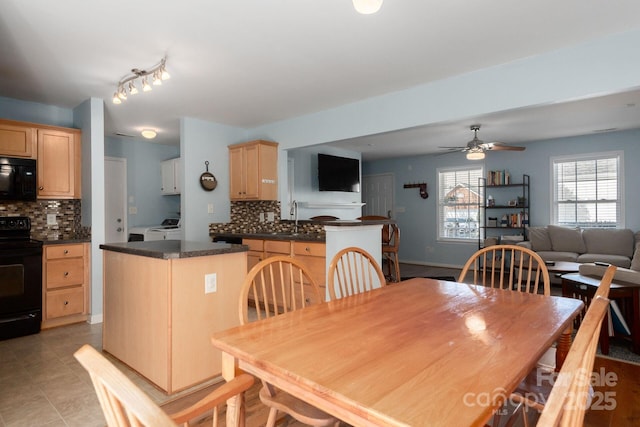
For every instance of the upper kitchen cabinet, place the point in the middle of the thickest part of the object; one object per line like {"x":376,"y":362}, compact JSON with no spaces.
{"x":253,"y":170}
{"x":17,"y":139}
{"x":170,"y":171}
{"x":59,"y":157}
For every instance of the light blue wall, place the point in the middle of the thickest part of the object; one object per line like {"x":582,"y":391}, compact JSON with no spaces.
{"x":305,"y":186}
{"x":144,"y":179}
{"x":417,"y":217}
{"x":14,"y":109}
{"x":201,"y":141}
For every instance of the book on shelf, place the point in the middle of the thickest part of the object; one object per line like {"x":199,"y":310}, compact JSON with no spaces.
{"x":498,"y":177}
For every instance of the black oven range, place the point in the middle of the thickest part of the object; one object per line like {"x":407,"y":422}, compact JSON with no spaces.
{"x":20,"y":278}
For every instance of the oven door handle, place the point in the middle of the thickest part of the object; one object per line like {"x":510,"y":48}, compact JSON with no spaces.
{"x":21,"y":317}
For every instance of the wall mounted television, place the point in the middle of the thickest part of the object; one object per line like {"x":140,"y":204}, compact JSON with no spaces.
{"x":338,"y":173}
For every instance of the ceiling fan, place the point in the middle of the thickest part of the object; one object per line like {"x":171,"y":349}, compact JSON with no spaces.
{"x":476,"y":148}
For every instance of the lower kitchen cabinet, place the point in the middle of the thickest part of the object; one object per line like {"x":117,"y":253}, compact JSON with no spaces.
{"x":312,"y":255}
{"x":65,"y":284}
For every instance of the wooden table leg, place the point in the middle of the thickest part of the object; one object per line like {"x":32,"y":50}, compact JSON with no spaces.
{"x":562,"y":349}
{"x":235,"y":411}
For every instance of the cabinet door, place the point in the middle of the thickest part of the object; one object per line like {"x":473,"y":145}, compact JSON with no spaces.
{"x":236,"y":174}
{"x":17,"y":141}
{"x":170,"y":171}
{"x":252,"y":171}
{"x":58,"y":167}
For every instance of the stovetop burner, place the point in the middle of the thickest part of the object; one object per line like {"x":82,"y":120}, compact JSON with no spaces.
{"x":16,"y":231}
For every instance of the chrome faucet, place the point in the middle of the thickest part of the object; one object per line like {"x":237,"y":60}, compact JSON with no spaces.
{"x":294,"y":212}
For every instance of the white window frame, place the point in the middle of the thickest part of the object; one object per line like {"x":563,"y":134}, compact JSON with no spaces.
{"x":441,"y":204}
{"x":618,"y":155}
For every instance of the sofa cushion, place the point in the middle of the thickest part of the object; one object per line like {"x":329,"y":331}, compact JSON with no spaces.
{"x":558,"y":256}
{"x":635,"y":262}
{"x":565,"y":239}
{"x":622,"y":274}
{"x":617,"y":260}
{"x":539,"y":238}
{"x":609,"y":241}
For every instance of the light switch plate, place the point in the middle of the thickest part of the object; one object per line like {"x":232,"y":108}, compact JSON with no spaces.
{"x":210,"y":283}
{"x":51,"y":219}
{"x":133,"y":210}
{"x":210,"y":208}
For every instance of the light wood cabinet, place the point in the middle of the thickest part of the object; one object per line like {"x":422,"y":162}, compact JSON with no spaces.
{"x":311,"y":254}
{"x":65,"y":282}
{"x":253,"y":171}
{"x":59,"y":158}
{"x":17,"y":139}
{"x":170,"y":171}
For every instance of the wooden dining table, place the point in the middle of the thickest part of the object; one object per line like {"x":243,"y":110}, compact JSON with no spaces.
{"x":418,"y":352}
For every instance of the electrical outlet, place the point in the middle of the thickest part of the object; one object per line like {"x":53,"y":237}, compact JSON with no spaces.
{"x":51,"y":219}
{"x":133,"y":210}
{"x":210,"y":283}
{"x":270,"y":217}
{"x":261,"y":216}
{"x":210,"y":208}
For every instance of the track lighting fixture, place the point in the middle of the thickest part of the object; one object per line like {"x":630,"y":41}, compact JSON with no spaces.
{"x":157,"y":72}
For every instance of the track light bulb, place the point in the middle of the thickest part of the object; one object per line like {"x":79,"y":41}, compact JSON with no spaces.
{"x":157,"y":80}
{"x":146,"y":87}
{"x":116,"y":98}
{"x":164,"y":74}
{"x":122,"y":94}
{"x":132,"y":88}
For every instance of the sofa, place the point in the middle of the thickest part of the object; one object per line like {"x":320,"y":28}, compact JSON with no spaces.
{"x":620,"y":247}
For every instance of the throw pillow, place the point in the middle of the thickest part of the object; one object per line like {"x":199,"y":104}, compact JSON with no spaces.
{"x":635,"y":262}
{"x":539,"y":238}
{"x":565,"y":239}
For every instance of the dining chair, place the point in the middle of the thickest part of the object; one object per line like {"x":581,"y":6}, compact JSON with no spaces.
{"x":124,"y":404}
{"x":278,"y":285}
{"x":535,"y":390}
{"x":324,"y":218}
{"x":507,"y":267}
{"x":390,"y":246}
{"x":352,"y":271}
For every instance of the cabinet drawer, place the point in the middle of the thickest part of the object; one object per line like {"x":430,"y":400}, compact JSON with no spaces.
{"x":313,"y":249}
{"x":279,"y":247}
{"x":254,"y":245}
{"x":65,"y":302}
{"x":65,"y":272}
{"x":309,"y":295}
{"x":63,"y":251}
{"x":316,"y":266}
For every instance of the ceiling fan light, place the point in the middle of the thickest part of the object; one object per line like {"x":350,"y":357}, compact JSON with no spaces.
{"x":148,"y":133}
{"x":475,"y":154}
{"x":367,"y":7}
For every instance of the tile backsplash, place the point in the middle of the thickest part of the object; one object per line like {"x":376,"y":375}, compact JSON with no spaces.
{"x":67,"y":212}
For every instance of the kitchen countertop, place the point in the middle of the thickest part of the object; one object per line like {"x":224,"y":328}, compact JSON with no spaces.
{"x":172,"y":249}
{"x":64,"y":241}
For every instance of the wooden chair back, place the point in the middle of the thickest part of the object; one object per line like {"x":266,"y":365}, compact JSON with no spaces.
{"x":124,"y":404}
{"x":568,"y":400}
{"x":352,"y":271}
{"x":508,"y":267}
{"x":324,"y":218}
{"x":277,"y":285}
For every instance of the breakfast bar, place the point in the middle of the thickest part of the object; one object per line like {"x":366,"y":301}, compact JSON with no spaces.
{"x":163,"y":300}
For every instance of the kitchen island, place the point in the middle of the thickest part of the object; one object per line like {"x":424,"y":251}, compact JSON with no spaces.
{"x":163,"y":300}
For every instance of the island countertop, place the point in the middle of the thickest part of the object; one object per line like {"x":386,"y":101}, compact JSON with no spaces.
{"x":173,"y":249}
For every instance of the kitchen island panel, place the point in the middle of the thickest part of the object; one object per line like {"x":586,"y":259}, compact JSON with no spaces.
{"x":197,"y":315}
{"x":136,"y":326}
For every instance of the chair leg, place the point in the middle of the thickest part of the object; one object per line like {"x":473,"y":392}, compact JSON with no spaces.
{"x":273,"y":416}
{"x":396,"y":263}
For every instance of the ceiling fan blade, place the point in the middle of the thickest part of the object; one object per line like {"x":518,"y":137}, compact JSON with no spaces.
{"x":496,"y":146}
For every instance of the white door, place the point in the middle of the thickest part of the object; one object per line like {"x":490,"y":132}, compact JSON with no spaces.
{"x":377,"y":194}
{"x":115,"y":182}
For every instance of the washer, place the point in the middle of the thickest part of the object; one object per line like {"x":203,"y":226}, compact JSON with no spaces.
{"x":169,"y":230}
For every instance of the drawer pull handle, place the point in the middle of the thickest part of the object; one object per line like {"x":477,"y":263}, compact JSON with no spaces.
{"x":66,"y":303}
{"x":66,"y":251}
{"x":66,"y":273}
{"x":308,"y":249}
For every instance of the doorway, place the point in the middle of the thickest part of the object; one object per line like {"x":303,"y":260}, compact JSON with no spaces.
{"x":377,"y":194}
{"x":115,"y":183}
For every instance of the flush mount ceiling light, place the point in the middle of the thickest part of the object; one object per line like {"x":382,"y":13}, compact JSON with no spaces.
{"x":367,"y":7}
{"x":148,"y":133}
{"x":158,"y":73}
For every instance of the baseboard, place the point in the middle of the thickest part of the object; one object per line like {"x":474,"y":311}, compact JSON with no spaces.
{"x":94,"y":318}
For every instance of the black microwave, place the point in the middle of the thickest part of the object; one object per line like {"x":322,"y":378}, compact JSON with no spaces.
{"x":17,"y":179}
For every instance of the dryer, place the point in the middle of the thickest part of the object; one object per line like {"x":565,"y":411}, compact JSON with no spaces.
{"x":169,"y":230}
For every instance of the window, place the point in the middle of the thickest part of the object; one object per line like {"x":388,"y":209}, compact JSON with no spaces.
{"x":587,"y":190}
{"x":458,"y":203}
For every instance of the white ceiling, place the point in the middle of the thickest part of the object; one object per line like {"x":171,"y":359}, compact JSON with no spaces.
{"x":246,"y":63}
